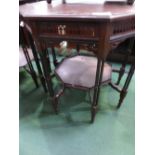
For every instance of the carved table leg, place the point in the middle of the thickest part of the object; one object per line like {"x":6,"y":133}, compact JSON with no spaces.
{"x":99,"y":71}
{"x":24,"y":40}
{"x":121,"y":73}
{"x":32,"y":72}
{"x":122,"y":69}
{"x":42,"y":79}
{"x":125,"y":87}
{"x":46,"y":68}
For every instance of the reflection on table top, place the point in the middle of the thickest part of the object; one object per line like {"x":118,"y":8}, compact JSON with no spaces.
{"x":76,"y":10}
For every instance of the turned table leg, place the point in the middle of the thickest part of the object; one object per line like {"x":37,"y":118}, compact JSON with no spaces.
{"x":126,"y":85}
{"x":46,"y":68}
{"x":99,"y":71}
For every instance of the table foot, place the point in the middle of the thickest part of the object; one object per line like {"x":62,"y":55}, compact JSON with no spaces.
{"x":122,"y":96}
{"x":93,"y":113}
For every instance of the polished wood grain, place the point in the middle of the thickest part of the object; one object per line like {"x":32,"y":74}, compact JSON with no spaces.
{"x":76,"y":11}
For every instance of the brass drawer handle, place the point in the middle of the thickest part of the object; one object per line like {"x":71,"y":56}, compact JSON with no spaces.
{"x":61,"y":29}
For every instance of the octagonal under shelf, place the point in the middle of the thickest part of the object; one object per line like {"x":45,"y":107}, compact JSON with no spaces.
{"x":80,"y":71}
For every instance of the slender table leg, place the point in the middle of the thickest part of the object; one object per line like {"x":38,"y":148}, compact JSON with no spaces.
{"x":32,"y":72}
{"x":121,"y":73}
{"x":24,"y":41}
{"x":42,"y":79}
{"x":129,"y":51}
{"x":54,"y":57}
{"x":100,"y":80}
{"x":46,"y":68}
{"x":99,"y":71}
{"x":125,"y":87}
{"x":131,"y":72}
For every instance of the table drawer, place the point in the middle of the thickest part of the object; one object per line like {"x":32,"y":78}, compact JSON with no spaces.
{"x":88,"y":30}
